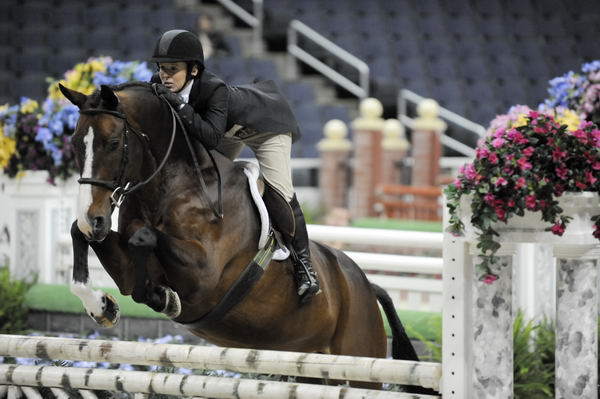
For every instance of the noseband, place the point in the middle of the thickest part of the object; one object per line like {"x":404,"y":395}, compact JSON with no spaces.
{"x":120,"y":191}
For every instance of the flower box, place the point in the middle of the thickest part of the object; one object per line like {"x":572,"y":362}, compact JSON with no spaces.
{"x":531,"y":228}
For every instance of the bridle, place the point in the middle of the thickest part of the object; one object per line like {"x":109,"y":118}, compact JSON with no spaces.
{"x":120,"y":189}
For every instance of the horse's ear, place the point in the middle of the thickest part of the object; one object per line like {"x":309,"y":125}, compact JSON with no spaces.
{"x":109,"y":98}
{"x":75,"y":97}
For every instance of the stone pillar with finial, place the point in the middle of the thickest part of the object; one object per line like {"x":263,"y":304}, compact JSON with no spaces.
{"x":334,"y":172}
{"x":367,"y":157}
{"x":394,"y":146}
{"x":426,"y":144}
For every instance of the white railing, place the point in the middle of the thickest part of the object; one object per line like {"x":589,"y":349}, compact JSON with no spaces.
{"x":254,"y":20}
{"x":360,"y":90}
{"x":421,"y":292}
{"x":405,"y":96}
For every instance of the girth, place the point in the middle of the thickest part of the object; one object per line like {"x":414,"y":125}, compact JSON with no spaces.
{"x":239,"y":289}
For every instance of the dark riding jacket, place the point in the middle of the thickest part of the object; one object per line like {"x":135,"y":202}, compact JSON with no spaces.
{"x":215,"y":109}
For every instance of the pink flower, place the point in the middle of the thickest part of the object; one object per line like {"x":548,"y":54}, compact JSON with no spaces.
{"x":493,"y":158}
{"x":533,"y":114}
{"x":581,"y":185}
{"x":470,"y":172}
{"x":558,"y":228}
{"x":590,"y":177}
{"x":482,"y":152}
{"x":501,"y":213}
{"x":562,"y":172}
{"x":528,"y":151}
{"x":497,"y":143}
{"x":509,"y":157}
{"x":510,"y":203}
{"x":520,"y":183}
{"x":489,"y":278}
{"x":530,"y":202}
{"x":523,"y":163}
{"x":596,"y":165}
{"x":540,"y":129}
{"x":489,"y":198}
{"x":457,"y":183}
{"x":557,"y":154}
{"x":499,"y":133}
{"x":501,"y":181}
{"x":596,"y":231}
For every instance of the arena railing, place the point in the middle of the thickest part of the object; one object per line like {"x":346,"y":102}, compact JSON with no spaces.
{"x":254,"y":20}
{"x":296,"y":28}
{"x":405,"y":96}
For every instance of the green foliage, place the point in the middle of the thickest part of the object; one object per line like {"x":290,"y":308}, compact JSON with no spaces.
{"x":533,"y":361}
{"x":533,"y":377}
{"x":13,"y":311}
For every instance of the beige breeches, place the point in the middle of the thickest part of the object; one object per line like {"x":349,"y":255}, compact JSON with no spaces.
{"x":273,"y":152}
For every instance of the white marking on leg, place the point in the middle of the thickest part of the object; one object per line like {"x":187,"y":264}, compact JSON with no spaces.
{"x":91,"y":299}
{"x":85,"y":190}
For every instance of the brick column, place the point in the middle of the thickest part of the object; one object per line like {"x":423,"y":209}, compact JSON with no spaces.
{"x":427,"y":149}
{"x":367,"y":157}
{"x":394,"y":146}
{"x":333,"y":175}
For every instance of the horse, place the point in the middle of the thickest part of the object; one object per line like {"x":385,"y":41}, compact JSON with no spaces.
{"x":177,"y":253}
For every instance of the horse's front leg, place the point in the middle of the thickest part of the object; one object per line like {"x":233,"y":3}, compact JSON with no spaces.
{"x":101,"y":307}
{"x":160,"y":298}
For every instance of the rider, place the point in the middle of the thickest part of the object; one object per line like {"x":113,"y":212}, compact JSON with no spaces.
{"x":226,"y":118}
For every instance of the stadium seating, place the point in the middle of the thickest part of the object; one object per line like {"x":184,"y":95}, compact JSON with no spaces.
{"x":410,"y":43}
{"x":475,"y":57}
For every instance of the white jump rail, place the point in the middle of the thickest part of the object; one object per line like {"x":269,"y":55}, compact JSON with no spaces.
{"x":233,"y":359}
{"x":181,"y":384}
{"x":383,"y":237}
{"x":407,"y":292}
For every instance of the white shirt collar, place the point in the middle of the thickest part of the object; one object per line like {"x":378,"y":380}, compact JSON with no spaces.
{"x":185,"y":92}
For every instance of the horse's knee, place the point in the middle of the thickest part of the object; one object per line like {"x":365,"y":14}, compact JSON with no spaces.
{"x":144,"y":237}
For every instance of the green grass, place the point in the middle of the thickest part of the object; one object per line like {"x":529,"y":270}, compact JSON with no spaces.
{"x":397,"y":224}
{"x":58,"y":298}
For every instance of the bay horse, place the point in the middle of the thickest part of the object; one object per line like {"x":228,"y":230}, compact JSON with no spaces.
{"x":174,"y":253}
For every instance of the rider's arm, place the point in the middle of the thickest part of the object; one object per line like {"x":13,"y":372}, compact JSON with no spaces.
{"x":210,"y":128}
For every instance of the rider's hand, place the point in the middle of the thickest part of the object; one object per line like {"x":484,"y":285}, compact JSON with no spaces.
{"x":174,"y":99}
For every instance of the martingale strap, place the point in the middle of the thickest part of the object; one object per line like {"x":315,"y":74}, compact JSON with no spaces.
{"x":240,"y":289}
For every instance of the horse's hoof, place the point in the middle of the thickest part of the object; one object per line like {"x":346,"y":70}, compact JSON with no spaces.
{"x":172,"y":304}
{"x":110,"y":315}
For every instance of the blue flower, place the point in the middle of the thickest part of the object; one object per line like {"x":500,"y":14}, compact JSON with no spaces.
{"x":126,"y":367}
{"x":142,"y":73}
{"x":591,"y":66}
{"x":44,"y":135}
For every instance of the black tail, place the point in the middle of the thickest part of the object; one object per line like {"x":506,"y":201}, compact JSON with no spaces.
{"x":401,"y":346}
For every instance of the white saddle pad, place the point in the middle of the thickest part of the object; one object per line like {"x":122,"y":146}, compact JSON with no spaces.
{"x":252,"y":172}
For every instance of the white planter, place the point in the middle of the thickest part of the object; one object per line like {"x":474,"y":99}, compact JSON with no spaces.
{"x":33,"y":214}
{"x":530,"y":227}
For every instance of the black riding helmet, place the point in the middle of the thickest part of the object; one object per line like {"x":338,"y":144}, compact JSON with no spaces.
{"x":179,"y":45}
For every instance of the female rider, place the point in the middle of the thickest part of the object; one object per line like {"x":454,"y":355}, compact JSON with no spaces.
{"x":226,"y":118}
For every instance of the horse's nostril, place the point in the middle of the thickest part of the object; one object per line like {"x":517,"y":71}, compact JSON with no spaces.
{"x":98,"y":222}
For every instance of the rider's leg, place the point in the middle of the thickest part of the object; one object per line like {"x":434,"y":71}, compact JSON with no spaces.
{"x":273,"y":153}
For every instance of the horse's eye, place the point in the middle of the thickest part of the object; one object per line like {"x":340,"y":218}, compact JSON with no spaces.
{"x":113,"y":145}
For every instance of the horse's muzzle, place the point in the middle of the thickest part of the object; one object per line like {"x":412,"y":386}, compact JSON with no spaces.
{"x":100,"y":228}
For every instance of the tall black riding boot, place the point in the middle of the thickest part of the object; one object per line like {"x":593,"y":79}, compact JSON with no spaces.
{"x":306,"y":277}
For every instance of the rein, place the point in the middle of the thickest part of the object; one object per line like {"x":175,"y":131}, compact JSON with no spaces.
{"x":119,"y":192}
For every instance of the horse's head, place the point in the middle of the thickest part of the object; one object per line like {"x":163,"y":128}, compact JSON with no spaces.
{"x":108,"y":153}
